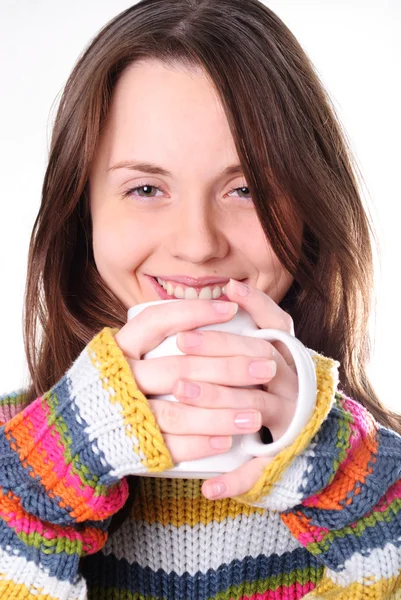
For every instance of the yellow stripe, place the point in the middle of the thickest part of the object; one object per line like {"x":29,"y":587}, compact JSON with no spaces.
{"x":385,"y":589}
{"x":326,"y":380}
{"x":154,"y":501}
{"x":19,"y":591}
{"x":117,"y":378}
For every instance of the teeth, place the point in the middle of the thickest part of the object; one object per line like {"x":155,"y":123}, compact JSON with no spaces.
{"x":217,"y":292}
{"x":179,"y":292}
{"x":189,"y":293}
{"x":206,"y":293}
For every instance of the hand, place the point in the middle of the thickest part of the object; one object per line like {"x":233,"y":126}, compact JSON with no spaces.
{"x":276,"y":401}
{"x":190,"y":432}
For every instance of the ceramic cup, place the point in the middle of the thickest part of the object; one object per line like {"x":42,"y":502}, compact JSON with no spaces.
{"x":249,"y":445}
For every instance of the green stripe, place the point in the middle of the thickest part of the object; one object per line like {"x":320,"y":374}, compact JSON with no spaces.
{"x":343,"y":440}
{"x":371,"y":521}
{"x":233,"y":592}
{"x":273,"y":583}
{"x":14,"y":400}
{"x":86,"y":477}
{"x":57,"y":545}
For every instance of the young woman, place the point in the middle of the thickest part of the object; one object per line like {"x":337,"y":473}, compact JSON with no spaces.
{"x":196,"y":155}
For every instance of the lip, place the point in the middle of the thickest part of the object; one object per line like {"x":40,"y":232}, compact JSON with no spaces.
{"x":192,"y":282}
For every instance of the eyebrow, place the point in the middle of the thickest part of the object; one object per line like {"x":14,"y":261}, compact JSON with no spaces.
{"x":156,"y":170}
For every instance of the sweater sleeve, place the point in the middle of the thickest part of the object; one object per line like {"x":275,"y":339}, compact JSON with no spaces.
{"x":338,"y":489}
{"x":63,"y":459}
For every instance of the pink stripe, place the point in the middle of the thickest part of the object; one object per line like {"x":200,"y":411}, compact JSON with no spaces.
{"x":358,"y":427}
{"x":52,"y":448}
{"x":362,"y":429}
{"x":292,"y":592}
{"x":393,"y":493}
{"x":316,"y":534}
{"x":8,"y":412}
{"x":364,"y":421}
{"x":33,"y":525}
{"x":312,"y":501}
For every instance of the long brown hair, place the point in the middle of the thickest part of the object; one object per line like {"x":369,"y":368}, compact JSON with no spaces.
{"x":290,"y":143}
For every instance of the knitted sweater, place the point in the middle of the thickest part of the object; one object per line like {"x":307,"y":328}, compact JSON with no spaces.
{"x":323,"y":521}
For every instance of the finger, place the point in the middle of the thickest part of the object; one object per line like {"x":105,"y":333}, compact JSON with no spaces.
{"x":221,"y":343}
{"x":153,"y":324}
{"x":277,"y":411}
{"x":263,"y":310}
{"x":161,"y":373}
{"x":182,"y":419}
{"x":192,"y":447}
{"x":216,"y":343}
{"x":236,"y":482}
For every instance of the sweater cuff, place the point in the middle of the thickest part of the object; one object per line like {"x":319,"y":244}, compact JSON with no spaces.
{"x":278,"y":486}
{"x":118,"y":416}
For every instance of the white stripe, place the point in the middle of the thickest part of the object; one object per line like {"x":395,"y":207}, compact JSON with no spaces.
{"x":287,"y":492}
{"x":91,"y":401}
{"x":200,"y":547}
{"x":381,"y":563}
{"x":20,"y":571}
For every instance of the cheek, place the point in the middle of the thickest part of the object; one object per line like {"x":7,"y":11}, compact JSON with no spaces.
{"x":270,"y":274}
{"x":251,"y":241}
{"x":115,"y":248}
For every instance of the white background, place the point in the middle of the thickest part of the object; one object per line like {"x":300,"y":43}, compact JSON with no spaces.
{"x":355,"y":46}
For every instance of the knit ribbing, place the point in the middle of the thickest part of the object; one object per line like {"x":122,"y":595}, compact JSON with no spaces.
{"x":178,"y":545}
{"x":322,"y":522}
{"x":62,"y":459}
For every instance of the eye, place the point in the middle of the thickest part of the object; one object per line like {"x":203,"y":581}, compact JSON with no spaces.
{"x":242,"y":190}
{"x":149,"y":191}
{"x":146,"y":188}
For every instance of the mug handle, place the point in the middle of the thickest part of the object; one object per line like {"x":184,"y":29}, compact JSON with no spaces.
{"x":307,"y":392}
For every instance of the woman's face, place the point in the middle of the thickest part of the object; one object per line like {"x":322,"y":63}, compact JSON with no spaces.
{"x":192,"y":215}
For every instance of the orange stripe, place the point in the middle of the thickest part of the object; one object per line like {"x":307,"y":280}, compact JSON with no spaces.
{"x":19,"y":432}
{"x":297,"y":523}
{"x":11,"y":509}
{"x":20,"y":436}
{"x":356,"y":468}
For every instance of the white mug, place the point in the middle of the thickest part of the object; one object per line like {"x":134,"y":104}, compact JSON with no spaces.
{"x":249,"y":445}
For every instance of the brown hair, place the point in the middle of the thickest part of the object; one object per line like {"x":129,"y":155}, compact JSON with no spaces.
{"x":289,"y":142}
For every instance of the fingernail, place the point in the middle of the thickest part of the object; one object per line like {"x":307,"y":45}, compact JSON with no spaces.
{"x":221,"y":442}
{"x":224,"y":308}
{"x":263,"y":368}
{"x":213,"y":490}
{"x":242,"y":289}
{"x":188,"y":389}
{"x":191,"y":339}
{"x":248,"y":420}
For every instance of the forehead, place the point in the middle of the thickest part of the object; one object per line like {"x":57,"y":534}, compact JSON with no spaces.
{"x":154,"y":103}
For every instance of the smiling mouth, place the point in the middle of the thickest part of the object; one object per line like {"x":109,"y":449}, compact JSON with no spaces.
{"x":178,"y":291}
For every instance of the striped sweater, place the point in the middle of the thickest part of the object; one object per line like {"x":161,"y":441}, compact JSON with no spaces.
{"x":323,"y":521}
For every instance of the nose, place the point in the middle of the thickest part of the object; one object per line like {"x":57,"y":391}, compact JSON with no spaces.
{"x":198,"y":234}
